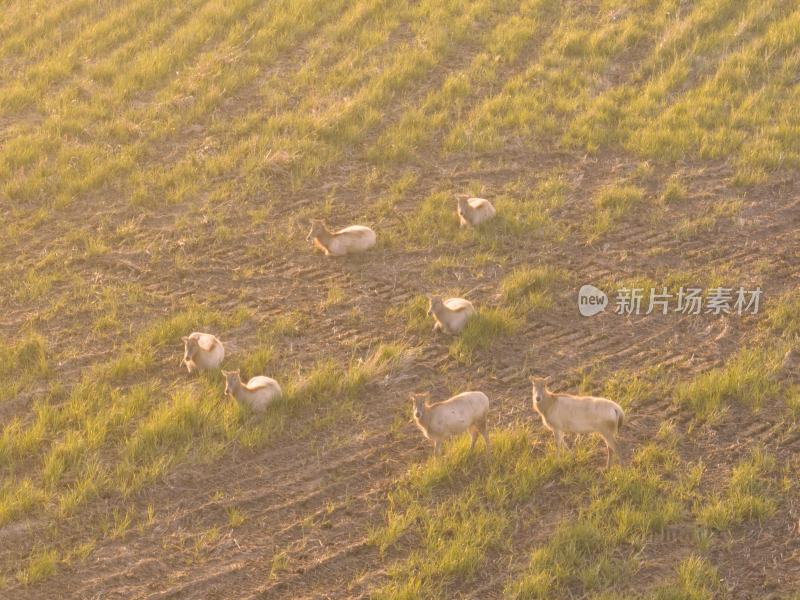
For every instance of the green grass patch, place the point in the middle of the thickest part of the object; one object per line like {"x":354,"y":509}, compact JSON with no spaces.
{"x":673,"y":192}
{"x":289,"y":324}
{"x":21,"y":363}
{"x":452,"y":512}
{"x":783,"y":316}
{"x":414,"y":315}
{"x":327,"y":390}
{"x":104,"y":440}
{"x":707,"y":219}
{"x":531,"y":288}
{"x":278,"y":564}
{"x":624,"y":386}
{"x":192,"y":318}
{"x":746,"y":379}
{"x":696,"y":579}
{"x":334,"y":297}
{"x":40,"y":566}
{"x":450,"y":515}
{"x":524,"y":214}
{"x":612,"y":204}
{"x":482,"y":330}
{"x":17,"y":498}
{"x":749,"y":495}
{"x":235,"y":516}
{"x":793,"y":402}
{"x":433,"y":222}
{"x":594,"y":551}
{"x":257,"y":361}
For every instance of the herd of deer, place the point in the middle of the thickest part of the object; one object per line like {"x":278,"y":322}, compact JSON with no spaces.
{"x":468,"y":411}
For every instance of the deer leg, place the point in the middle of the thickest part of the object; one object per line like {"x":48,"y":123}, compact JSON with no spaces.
{"x":484,"y":433}
{"x":559,"y":441}
{"x":613,"y":448}
{"x":439,"y":447}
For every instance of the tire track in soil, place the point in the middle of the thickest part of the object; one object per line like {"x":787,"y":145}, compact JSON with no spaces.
{"x":250,"y":492}
{"x":306,"y":270}
{"x":640,"y":353}
{"x":279,"y":523}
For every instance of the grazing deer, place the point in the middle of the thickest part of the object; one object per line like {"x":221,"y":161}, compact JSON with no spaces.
{"x":565,"y":413}
{"x":465,"y":412}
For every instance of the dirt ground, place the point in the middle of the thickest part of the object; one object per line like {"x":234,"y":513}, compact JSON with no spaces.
{"x":315,"y":498}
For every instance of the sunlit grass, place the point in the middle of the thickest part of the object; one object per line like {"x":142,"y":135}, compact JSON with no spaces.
{"x":745,"y":379}
{"x":150,"y":142}
{"x":434,"y":221}
{"x":438,"y":503}
{"x":482,"y":330}
{"x":532,"y":288}
{"x":593,"y":550}
{"x":783,"y":317}
{"x":695,"y":579}
{"x":707,"y":219}
{"x":40,"y":566}
{"x":21,"y":363}
{"x":455,"y":509}
{"x":105,"y":440}
{"x":611,"y":204}
{"x":414,"y":315}
{"x":674,"y":191}
{"x":750,"y":494}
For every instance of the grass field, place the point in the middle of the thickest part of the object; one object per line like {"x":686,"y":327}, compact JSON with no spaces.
{"x":159,"y":164}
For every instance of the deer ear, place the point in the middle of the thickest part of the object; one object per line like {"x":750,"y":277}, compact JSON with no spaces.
{"x":184,"y":339}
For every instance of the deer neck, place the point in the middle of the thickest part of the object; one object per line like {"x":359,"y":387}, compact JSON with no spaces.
{"x":424,"y":419}
{"x":236,"y":388}
{"x":546,"y":402}
{"x":324,"y":238}
{"x":441,"y":311}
